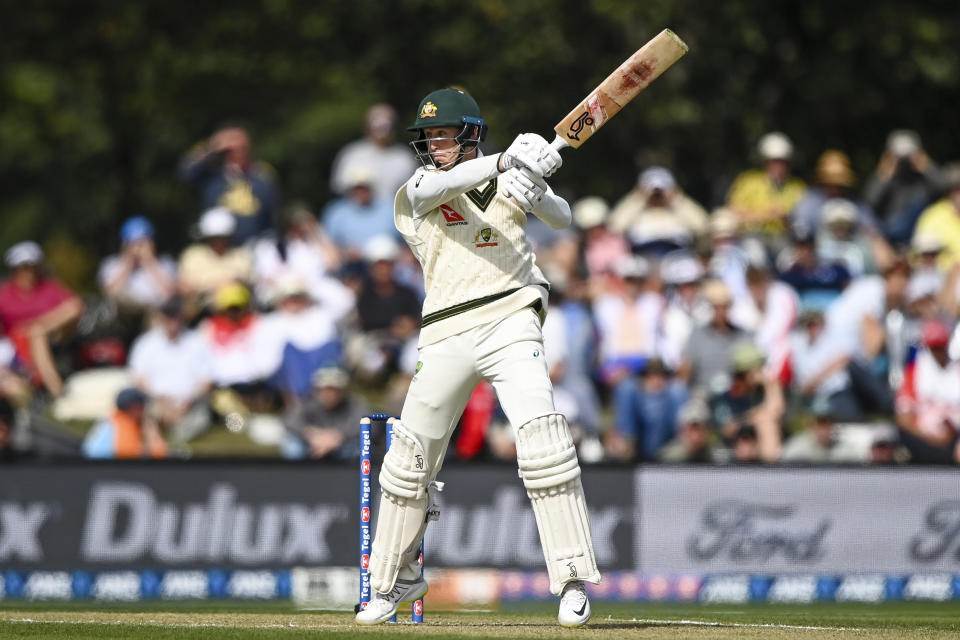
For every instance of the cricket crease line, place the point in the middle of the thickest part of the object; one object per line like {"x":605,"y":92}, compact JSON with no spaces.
{"x":754,"y":625}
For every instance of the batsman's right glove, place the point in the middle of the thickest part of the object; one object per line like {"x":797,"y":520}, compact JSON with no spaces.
{"x":533,"y":152}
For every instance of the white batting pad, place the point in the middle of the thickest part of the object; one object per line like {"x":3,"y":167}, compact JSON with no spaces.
{"x":550,"y":471}
{"x":405,"y":504}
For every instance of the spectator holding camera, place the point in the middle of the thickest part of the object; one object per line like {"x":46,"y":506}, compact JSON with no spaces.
{"x":226,"y":174}
{"x":905,"y":180}
{"x":137,"y":278}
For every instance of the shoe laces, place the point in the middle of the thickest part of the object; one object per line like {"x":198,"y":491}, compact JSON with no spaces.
{"x":574,"y":595}
{"x":380,"y":602}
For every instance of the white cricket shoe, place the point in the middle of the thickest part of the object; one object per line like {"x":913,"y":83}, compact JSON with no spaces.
{"x":574,"y":605}
{"x":383,"y":606}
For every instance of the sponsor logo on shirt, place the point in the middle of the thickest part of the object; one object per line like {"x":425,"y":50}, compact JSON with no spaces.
{"x":452,"y":217}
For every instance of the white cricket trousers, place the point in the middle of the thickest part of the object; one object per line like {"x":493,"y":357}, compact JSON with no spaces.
{"x":507,"y":353}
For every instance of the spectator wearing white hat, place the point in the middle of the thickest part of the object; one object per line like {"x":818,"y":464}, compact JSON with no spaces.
{"x":601,"y":247}
{"x":841,"y":238}
{"x":305,"y":332}
{"x":388,"y":313}
{"x":35,"y":310}
{"x":904,"y":182}
{"x":686,"y":309}
{"x":923,"y":302}
{"x":212,"y":262}
{"x":627,"y":319}
{"x":695,"y":440}
{"x":657,"y":215}
{"x":358,"y":215}
{"x":327,"y":423}
{"x":763,"y":198}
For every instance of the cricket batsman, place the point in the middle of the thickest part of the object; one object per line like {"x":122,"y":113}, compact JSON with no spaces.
{"x":463,"y":215}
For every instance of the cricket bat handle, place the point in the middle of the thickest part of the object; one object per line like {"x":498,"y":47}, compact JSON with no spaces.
{"x":559,"y":143}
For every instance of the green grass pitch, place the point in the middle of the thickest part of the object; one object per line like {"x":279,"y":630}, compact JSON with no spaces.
{"x":223,"y":621}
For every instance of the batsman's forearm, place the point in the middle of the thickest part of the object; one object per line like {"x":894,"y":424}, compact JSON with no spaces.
{"x":553,"y":210}
{"x":433,"y":188}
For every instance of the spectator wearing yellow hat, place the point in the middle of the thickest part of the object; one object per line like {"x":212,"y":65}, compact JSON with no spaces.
{"x":242,"y":355}
{"x":834,"y":179}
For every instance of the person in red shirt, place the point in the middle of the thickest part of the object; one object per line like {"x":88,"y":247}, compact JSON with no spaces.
{"x":34,"y":309}
{"x":928,"y":401}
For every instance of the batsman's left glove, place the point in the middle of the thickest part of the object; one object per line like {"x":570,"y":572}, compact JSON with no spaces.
{"x":524,"y":186}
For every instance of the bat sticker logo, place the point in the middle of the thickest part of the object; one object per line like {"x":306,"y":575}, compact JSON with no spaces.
{"x":577,"y":126}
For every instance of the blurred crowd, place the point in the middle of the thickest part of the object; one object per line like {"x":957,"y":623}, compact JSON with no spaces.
{"x":805,"y":321}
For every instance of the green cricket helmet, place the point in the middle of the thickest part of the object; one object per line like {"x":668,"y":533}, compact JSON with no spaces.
{"x":448,"y":108}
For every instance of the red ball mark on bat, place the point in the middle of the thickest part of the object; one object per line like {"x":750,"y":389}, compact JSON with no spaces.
{"x":636,"y":75}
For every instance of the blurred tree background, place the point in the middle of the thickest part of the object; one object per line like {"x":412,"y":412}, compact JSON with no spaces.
{"x":99,"y":99}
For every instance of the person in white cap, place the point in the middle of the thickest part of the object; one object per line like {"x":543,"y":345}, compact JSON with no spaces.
{"x":904,"y":181}
{"x":388,"y":311}
{"x":627,"y":319}
{"x":763,"y":198}
{"x":842,"y":239}
{"x":601,"y":247}
{"x":35,"y":309}
{"x":390,"y":163}
{"x":326,"y":424}
{"x":682,"y":272}
{"x":212,"y":262}
{"x":358,"y":215}
{"x":304,"y":332}
{"x":657,"y":214}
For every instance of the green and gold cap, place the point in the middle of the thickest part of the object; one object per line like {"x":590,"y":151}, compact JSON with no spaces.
{"x":446,"y":108}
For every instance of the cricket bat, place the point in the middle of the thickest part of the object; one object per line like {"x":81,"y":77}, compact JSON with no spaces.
{"x":619,"y":88}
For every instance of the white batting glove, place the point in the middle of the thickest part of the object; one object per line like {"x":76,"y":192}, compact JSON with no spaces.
{"x":524,"y":186}
{"x":533,"y":152}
